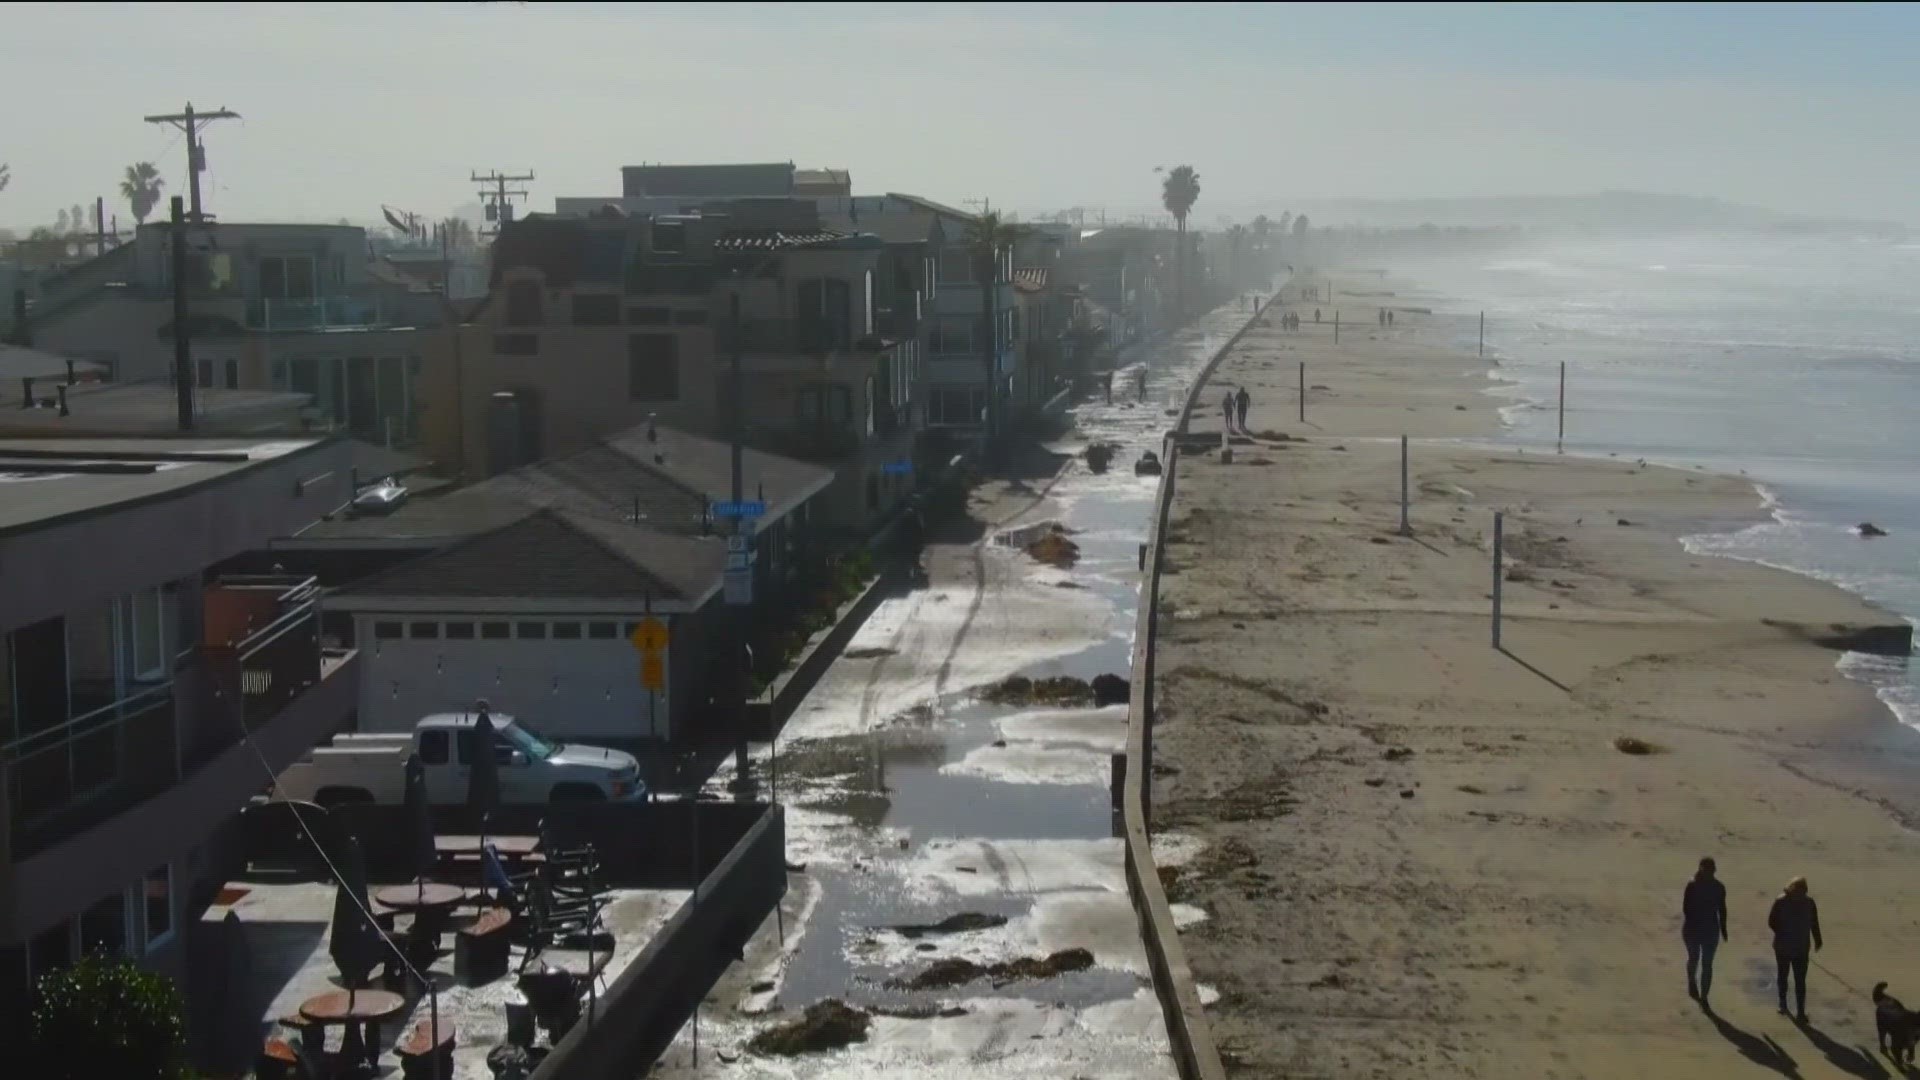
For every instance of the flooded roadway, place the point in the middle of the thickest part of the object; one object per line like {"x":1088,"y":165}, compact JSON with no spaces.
{"x":910,"y":800}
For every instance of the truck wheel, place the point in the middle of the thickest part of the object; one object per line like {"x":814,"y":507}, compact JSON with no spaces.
{"x":576,"y":793}
{"x":329,"y":798}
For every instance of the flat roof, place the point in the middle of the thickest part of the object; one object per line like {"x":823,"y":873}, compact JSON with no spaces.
{"x":44,"y":480}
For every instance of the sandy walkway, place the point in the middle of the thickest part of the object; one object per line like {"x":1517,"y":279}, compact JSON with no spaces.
{"x":1423,"y":857}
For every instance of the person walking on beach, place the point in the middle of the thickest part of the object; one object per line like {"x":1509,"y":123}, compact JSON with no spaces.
{"x":1226,"y":409}
{"x":1703,"y":926}
{"x":1795,"y":922}
{"x":1241,"y":400}
{"x":1316,"y":316}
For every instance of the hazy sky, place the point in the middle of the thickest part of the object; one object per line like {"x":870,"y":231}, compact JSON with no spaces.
{"x":1036,"y":106}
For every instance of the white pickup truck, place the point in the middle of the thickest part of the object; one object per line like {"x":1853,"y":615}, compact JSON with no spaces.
{"x":533,"y":769}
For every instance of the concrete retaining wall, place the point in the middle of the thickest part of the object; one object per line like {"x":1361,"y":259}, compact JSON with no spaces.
{"x":1194,"y":1053}
{"x":765,"y":718}
{"x":645,"y":1007}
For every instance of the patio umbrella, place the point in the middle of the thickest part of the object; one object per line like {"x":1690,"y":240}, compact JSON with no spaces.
{"x":420,"y":846}
{"x":483,"y":779}
{"x":356,"y":944}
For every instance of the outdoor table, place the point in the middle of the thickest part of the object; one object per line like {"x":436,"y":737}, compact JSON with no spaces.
{"x":360,"y":1012}
{"x":429,"y":903}
{"x":509,"y":847}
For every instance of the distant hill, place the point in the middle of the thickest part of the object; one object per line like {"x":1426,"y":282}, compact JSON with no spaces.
{"x":1604,"y":210}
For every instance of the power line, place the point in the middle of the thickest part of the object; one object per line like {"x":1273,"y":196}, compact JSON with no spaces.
{"x":499,"y":200}
{"x":191,"y":123}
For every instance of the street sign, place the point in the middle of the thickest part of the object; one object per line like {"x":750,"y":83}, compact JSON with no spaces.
{"x":739,"y":509}
{"x":649,"y":635}
{"x":737,"y":542}
{"x":653,"y":671}
{"x":898,"y":468}
{"x":738,"y":587}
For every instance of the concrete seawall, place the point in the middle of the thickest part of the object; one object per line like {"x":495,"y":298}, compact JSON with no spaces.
{"x":1194,"y":1052}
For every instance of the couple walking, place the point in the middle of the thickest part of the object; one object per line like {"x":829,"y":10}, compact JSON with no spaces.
{"x":1235,"y":403}
{"x":1794,"y":920}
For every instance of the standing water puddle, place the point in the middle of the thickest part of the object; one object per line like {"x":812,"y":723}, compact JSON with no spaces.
{"x":912,"y":800}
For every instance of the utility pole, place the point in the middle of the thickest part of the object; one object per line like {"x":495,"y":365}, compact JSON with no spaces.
{"x":182,"y":359}
{"x":191,"y":123}
{"x":499,"y":200}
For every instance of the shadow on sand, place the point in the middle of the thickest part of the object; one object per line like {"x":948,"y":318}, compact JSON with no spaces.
{"x":1853,"y":1060}
{"x":1759,"y":1049}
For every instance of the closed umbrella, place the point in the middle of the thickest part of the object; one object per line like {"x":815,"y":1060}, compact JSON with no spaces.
{"x":355,"y":943}
{"x":483,"y":779}
{"x":420,"y":845}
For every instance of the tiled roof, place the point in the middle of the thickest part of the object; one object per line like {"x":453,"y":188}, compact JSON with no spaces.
{"x":634,"y":511}
{"x":773,"y":238}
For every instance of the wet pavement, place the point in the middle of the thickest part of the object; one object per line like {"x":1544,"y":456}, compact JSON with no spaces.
{"x":912,"y":800}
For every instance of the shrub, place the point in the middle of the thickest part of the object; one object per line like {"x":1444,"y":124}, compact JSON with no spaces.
{"x":108,"y":1018}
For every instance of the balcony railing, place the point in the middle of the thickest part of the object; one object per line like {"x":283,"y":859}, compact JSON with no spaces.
{"x":263,"y":636}
{"x":316,"y":313}
{"x":72,"y":776}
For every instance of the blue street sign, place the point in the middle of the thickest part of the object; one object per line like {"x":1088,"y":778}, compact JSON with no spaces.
{"x":898,"y":468}
{"x":739,"y":509}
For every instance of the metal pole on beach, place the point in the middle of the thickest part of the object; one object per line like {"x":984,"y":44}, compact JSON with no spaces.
{"x":1406,"y":527}
{"x":1336,"y":328}
{"x":1498,"y":524}
{"x":1303,"y":391}
{"x":1559,"y":443}
{"x":1483,"y":333}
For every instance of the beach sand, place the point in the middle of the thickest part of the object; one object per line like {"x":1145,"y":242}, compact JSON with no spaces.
{"x":1420,"y":856}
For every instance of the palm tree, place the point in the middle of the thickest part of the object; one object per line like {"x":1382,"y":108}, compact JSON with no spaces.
{"x":1178,"y":193}
{"x":141,"y":188}
{"x":989,"y":238}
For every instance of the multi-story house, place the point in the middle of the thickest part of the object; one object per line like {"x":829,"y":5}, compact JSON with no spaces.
{"x":271,"y":307}
{"x":146,"y":695}
{"x":598,"y":324}
{"x":964,"y":359}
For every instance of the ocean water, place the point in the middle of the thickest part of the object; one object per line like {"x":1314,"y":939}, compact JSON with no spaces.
{"x":1793,"y":361}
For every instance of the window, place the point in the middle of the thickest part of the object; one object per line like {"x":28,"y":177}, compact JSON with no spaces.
{"x":516,"y":344}
{"x":157,"y":905}
{"x":957,"y":404}
{"x":233,"y":375}
{"x":653,"y":367}
{"x":148,"y":614}
{"x":956,"y":267}
{"x":386,"y":631}
{"x":424,"y":631}
{"x":287,"y":277}
{"x":433,"y":747}
{"x":649,"y":316}
{"x":669,"y":237}
{"x":566,"y":631}
{"x":523,"y":304}
{"x":459,"y":631}
{"x":603,"y":631}
{"x":953,"y":334}
{"x":533,"y":631}
{"x":836,"y":400}
{"x":494,"y":631}
{"x":690,"y":317}
{"x":590,"y":310}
